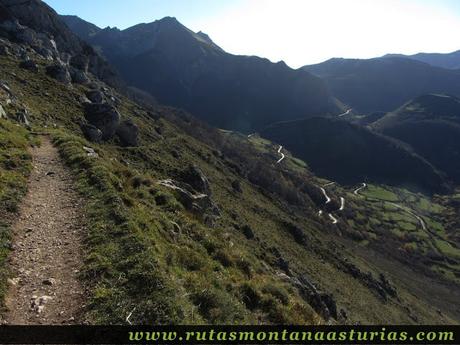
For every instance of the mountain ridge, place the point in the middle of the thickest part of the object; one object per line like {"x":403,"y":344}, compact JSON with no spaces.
{"x":229,"y":91}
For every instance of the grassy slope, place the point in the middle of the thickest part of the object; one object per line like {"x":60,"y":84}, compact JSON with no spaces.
{"x":137,"y":261}
{"x":15,"y":166}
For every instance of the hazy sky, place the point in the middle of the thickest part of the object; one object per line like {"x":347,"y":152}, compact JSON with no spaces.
{"x":297,"y":31}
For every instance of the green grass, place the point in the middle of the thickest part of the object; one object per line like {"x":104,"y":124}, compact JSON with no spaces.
{"x":15,"y":166}
{"x":379,"y":192}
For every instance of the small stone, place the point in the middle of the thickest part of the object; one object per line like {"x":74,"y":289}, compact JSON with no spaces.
{"x":13,"y":281}
{"x":49,"y":281}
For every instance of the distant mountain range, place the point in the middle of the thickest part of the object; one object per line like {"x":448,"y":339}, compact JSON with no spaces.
{"x":384,"y":84}
{"x":448,"y":60}
{"x":188,"y":70}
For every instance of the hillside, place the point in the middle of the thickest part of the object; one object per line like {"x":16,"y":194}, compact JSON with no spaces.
{"x":431,"y":125}
{"x":187,"y":224}
{"x":185,"y":69}
{"x":447,"y":60}
{"x":383,"y":84}
{"x":351,"y":154}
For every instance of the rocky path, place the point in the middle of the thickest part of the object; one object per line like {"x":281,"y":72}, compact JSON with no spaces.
{"x":47,"y":247}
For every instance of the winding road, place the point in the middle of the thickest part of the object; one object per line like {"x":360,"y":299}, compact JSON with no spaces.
{"x":413,"y":214}
{"x":282,"y":155}
{"x":345,"y":113}
{"x":342,"y":203}
{"x":328,"y":200}
{"x":364,"y":185}
{"x":334,"y":220}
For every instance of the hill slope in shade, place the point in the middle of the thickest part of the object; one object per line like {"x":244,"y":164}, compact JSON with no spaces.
{"x":384,"y":84}
{"x":186,"y":69}
{"x":351,"y":154}
{"x":431,"y":125}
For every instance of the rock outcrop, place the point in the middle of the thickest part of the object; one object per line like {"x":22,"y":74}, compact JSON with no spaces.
{"x":128,"y":133}
{"x":92,"y":133}
{"x":35,"y":24}
{"x":2,"y":113}
{"x":59,"y":72}
{"x":104,"y":117}
{"x":198,"y":203}
{"x":197,"y":179}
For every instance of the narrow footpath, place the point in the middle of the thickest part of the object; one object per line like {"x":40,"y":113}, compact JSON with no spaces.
{"x":47,"y":257}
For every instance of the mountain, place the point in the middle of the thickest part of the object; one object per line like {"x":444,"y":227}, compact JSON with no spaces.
{"x":431,"y":125}
{"x":35,"y":23}
{"x":384,"y":84}
{"x":188,"y":70}
{"x":448,"y":60}
{"x":351,"y":154}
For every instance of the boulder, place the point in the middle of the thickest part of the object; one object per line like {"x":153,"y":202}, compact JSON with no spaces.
{"x":80,"y":62}
{"x":197,"y":203}
{"x":236,"y":185}
{"x":95,"y":96}
{"x":92,"y":133}
{"x":4,"y":50}
{"x":22,"y":117}
{"x":78,"y":76}
{"x":29,"y":65}
{"x":59,"y":72}
{"x":128,"y":132}
{"x":103,"y":116}
{"x":195,"y":178}
{"x":2,"y":113}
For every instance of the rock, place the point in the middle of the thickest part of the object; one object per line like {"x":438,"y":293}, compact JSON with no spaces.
{"x":49,"y":281}
{"x":4,"y":50}
{"x":323,"y":303}
{"x":92,"y":133}
{"x":13,"y":281}
{"x":80,"y":62}
{"x":22,"y":117}
{"x":128,"y":132}
{"x":236,"y":185}
{"x":104,"y":116}
{"x":200,"y":204}
{"x":95,"y":96}
{"x":2,"y":113}
{"x":195,"y":178}
{"x":29,"y":65}
{"x":59,"y":72}
{"x":78,"y":76}
{"x":90,"y":152}
{"x":248,"y":232}
{"x":38,"y":303}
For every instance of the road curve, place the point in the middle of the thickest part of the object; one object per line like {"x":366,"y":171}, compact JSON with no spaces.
{"x":412,"y":213}
{"x":334,"y":220}
{"x":328,"y":200}
{"x":345,"y":113}
{"x":364,"y":185}
{"x":342,"y":203}
{"x":282,"y":155}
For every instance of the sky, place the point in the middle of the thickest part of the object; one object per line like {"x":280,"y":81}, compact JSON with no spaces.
{"x":299,"y":32}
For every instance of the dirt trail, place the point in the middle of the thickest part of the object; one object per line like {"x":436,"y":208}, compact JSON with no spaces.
{"x":47,"y":247}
